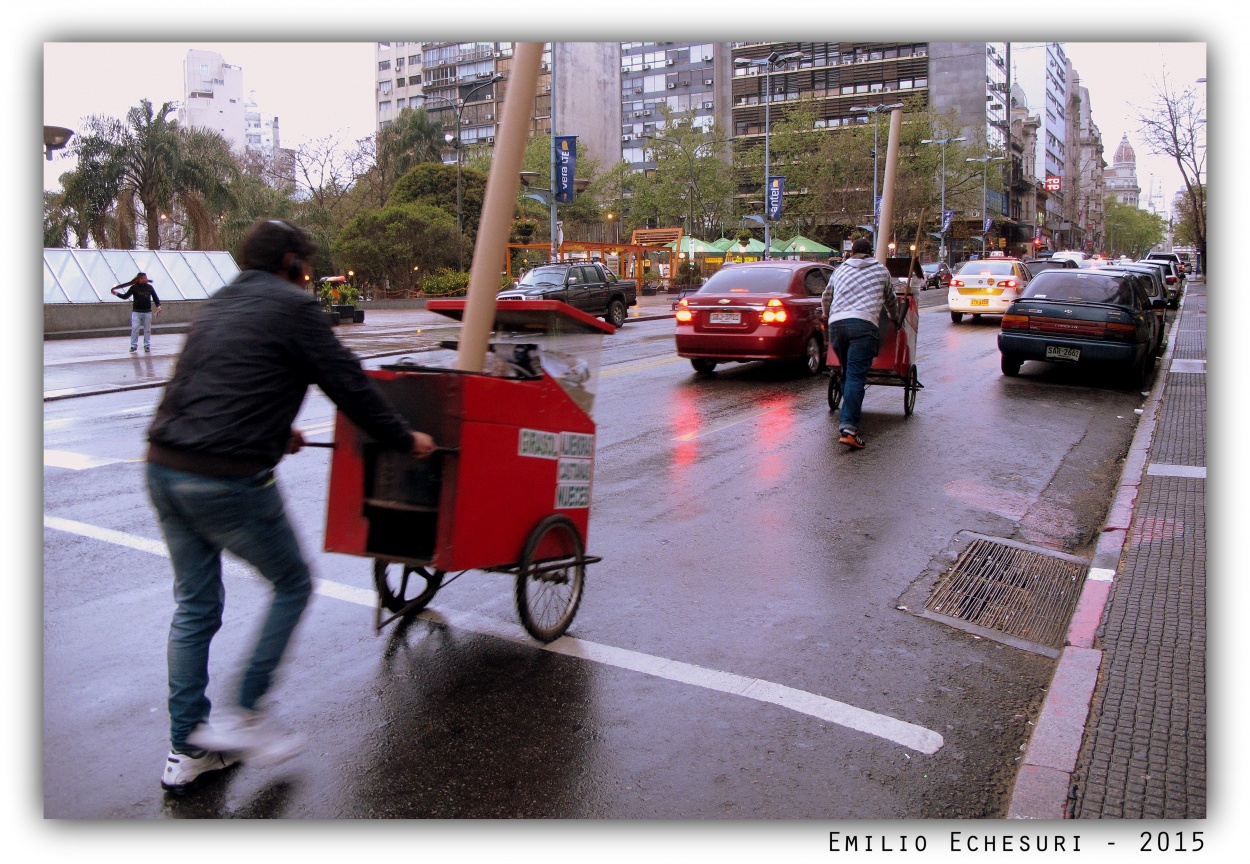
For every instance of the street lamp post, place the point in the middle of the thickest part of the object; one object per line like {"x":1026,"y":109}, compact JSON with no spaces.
{"x":874,"y":110}
{"x":459,"y":106}
{"x":942,"y":142}
{"x":985,"y":164}
{"x":768,"y":64}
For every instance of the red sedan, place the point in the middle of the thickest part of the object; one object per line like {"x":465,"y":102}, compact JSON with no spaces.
{"x":761,"y":310}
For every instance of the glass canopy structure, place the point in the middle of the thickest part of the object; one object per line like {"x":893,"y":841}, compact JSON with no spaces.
{"x":86,"y":275}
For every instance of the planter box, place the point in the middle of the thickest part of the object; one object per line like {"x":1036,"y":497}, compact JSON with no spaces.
{"x":346,"y":313}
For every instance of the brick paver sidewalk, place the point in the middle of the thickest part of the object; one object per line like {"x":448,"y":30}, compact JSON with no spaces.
{"x":1145,"y":748}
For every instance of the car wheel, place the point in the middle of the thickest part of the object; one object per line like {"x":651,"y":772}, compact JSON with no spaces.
{"x":956,"y":317}
{"x":813,"y":355}
{"x":616,"y":313}
{"x":1011,"y":365}
{"x":702,"y":366}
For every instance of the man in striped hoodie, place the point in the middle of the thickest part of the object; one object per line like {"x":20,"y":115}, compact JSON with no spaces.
{"x":853,"y":301}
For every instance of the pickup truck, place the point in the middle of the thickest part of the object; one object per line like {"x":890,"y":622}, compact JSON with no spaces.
{"x":584,"y":285}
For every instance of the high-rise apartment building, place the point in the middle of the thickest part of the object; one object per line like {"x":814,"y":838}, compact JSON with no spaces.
{"x":683,"y":76}
{"x":213,"y":96}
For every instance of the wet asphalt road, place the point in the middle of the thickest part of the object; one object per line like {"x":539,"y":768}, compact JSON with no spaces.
{"x":746,"y":555}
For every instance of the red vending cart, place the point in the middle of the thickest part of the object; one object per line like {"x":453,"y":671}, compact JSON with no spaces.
{"x":508,"y":489}
{"x":895,"y":363}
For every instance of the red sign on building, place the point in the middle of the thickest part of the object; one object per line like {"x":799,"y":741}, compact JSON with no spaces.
{"x":1053,"y":183}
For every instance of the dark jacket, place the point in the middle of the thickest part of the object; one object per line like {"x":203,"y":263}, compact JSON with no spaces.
{"x":144,"y":296}
{"x":252,"y":351}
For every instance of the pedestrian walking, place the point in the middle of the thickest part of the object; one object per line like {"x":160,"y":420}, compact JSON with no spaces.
{"x":858,"y":293}
{"x":223,"y":424}
{"x":143,"y":299}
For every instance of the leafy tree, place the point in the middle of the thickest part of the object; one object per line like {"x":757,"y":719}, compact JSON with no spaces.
{"x":57,"y":219}
{"x":691,"y":185}
{"x":582,"y":211}
{"x":393,"y":246}
{"x":1131,"y":230}
{"x":434,"y":183}
{"x":1186,"y":220}
{"x":1175,"y":126}
{"x":411,"y":138}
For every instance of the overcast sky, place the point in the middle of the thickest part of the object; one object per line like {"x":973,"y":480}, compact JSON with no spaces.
{"x":319,"y":89}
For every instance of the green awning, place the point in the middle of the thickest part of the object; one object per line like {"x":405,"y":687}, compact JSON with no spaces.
{"x":800,"y":245}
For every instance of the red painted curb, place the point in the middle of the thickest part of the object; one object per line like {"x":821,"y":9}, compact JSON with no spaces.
{"x":1057,"y":739}
{"x":1088,"y":614}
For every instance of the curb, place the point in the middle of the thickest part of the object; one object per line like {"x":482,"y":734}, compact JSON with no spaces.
{"x":1044,"y":783}
{"x":58,"y":395}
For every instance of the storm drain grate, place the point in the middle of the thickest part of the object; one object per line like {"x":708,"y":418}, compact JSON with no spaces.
{"x":1011,"y":593}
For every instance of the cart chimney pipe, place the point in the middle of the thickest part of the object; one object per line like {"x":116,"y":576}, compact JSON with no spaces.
{"x":886,"y":227}
{"x":498,"y":207}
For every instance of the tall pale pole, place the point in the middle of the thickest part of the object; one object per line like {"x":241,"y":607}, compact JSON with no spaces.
{"x":887,"y":191}
{"x":876,"y":126}
{"x":498,"y":207}
{"x":551,"y":211}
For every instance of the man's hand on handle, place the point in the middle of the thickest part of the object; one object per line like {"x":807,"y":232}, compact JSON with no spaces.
{"x":422,"y":445}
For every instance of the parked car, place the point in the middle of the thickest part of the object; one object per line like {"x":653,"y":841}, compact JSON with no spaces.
{"x":1182,"y":269}
{"x":759,"y":310}
{"x":1154,"y":290}
{"x":985,"y":287}
{"x":1171,"y":278}
{"x":585,"y":285}
{"x":936,"y":275}
{"x":1083,"y":317}
{"x":1041,"y":265}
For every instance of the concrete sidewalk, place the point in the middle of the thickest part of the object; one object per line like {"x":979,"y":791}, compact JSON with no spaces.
{"x":1123,"y":732}
{"x":91,"y":365}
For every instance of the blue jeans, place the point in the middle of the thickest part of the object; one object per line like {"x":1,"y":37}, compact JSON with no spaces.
{"x":855,"y":342}
{"x":140,"y":321}
{"x":200,"y":516}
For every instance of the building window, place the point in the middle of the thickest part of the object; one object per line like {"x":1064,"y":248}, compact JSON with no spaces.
{"x":399,"y":62}
{"x":414,"y":59}
{"x":384,"y":65}
{"x":384,"y":45}
{"x":414,"y":79}
{"x":384,"y":87}
{"x":384,"y":109}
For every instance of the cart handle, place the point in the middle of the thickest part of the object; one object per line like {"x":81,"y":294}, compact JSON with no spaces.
{"x":331,"y":445}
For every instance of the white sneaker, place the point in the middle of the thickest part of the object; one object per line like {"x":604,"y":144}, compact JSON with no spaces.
{"x":249,"y":734}
{"x":182,"y":770}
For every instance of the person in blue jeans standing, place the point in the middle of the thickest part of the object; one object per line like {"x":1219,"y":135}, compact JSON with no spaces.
{"x":143,"y":304}
{"x":222,"y":426}
{"x":854,"y":299}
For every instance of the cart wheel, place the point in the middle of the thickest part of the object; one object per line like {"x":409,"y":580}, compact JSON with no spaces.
{"x":404,"y":587}
{"x":550,"y":577}
{"x":909,"y":390}
{"x":835,"y":390}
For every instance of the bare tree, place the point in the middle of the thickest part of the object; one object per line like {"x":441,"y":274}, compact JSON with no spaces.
{"x":324,"y":169}
{"x":1175,"y":126}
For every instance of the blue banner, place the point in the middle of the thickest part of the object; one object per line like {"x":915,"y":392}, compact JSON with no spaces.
{"x":989,"y":223}
{"x":776,"y":189}
{"x":948,"y":216}
{"x":876,"y":210}
{"x":566,"y":164}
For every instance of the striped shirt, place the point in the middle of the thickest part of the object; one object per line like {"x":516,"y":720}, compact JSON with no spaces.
{"x":860,"y":288}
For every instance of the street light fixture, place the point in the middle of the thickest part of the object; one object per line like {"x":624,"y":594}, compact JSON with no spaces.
{"x":54,"y":138}
{"x":874,"y":110}
{"x":768,"y":64}
{"x":942,"y":142}
{"x":985,"y":164}
{"x":459,"y":106}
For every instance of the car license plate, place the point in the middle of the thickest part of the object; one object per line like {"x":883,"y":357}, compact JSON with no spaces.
{"x":1060,"y":352}
{"x":980,"y":302}
{"x":725,"y":318}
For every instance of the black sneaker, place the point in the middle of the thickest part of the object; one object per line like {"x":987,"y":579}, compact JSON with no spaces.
{"x":133,"y":349}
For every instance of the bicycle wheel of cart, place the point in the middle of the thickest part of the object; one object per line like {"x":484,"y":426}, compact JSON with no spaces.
{"x":550,"y":577}
{"x":405,"y":588}
{"x":835,"y":391}
{"x":909,"y":390}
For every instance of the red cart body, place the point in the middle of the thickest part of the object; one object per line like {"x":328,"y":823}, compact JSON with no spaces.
{"x":517,"y":450}
{"x":897,"y":352}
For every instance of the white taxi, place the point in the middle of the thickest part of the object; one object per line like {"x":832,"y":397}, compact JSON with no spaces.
{"x":986,"y":286}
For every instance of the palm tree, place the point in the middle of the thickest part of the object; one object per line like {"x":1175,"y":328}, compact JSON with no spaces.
{"x":205,"y":172}
{"x":413,"y":137}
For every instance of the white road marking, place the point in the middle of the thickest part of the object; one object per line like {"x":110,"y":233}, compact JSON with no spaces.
{"x":1100,"y":574}
{"x":1156,"y":469}
{"x":822,"y":708}
{"x":720,"y":427}
{"x":77,"y":461}
{"x":1198,"y":366}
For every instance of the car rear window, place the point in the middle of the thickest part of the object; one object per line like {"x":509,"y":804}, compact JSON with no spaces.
{"x":748,"y":280}
{"x":545,"y":276}
{"x":1080,"y":286}
{"x":987,"y":268}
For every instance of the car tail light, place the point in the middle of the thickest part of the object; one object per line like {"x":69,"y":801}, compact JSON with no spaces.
{"x":684,"y":315}
{"x":774,"y":312}
{"x":1009,"y":283}
{"x":1015,"y":322}
{"x":1171,"y":280}
{"x":1121,"y":332}
{"x":957,"y":283}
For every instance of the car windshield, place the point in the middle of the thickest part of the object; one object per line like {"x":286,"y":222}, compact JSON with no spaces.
{"x":929,"y":268}
{"x":748,"y":280}
{"x":987,"y":268}
{"x":1080,"y":286}
{"x":543,"y":276}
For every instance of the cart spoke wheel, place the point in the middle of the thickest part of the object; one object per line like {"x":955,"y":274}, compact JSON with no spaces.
{"x":404,"y":587}
{"x":909,"y":390}
{"x":550,"y":578}
{"x":835,"y":391}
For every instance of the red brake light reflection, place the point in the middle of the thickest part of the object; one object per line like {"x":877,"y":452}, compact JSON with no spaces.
{"x":773,"y":312}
